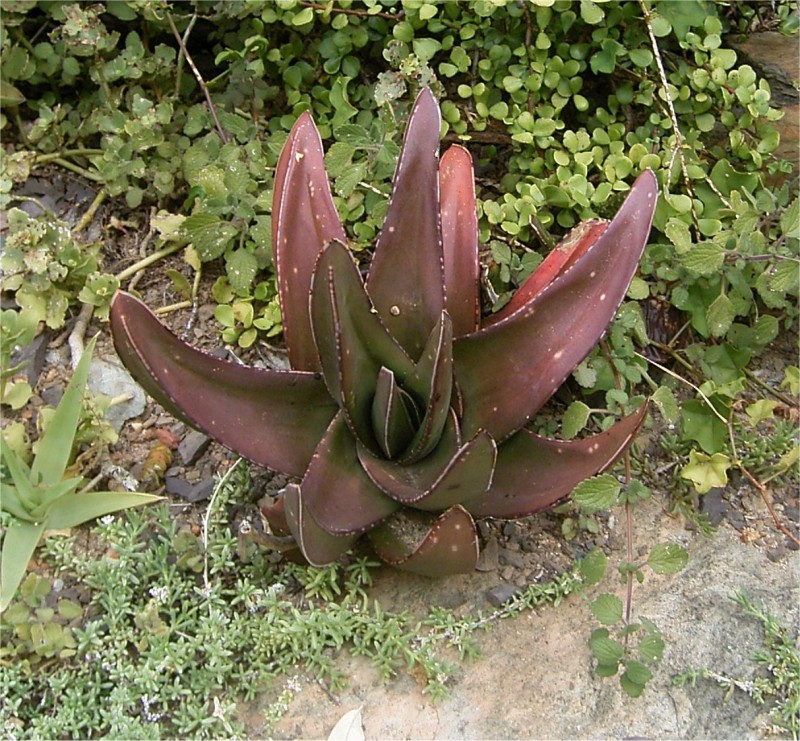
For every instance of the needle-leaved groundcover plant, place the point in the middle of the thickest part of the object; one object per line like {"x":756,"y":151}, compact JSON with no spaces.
{"x":404,"y":413}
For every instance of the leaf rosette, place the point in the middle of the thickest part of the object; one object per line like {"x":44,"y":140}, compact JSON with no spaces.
{"x":404,"y":413}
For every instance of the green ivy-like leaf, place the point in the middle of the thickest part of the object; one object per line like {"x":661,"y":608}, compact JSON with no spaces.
{"x":706,"y":471}
{"x":596,"y":493}
{"x":667,"y":558}
{"x":607,"y":608}
{"x":574,"y":419}
{"x":593,"y":567}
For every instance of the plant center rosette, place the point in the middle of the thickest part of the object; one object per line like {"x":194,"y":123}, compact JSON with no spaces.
{"x":404,"y":413}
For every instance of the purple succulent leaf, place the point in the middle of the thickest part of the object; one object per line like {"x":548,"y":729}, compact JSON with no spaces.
{"x":432,"y":381}
{"x":449,"y":544}
{"x":539,"y":345}
{"x":453,"y":473}
{"x":394,"y":415}
{"x":405,"y":279}
{"x":460,"y":240}
{"x":564,"y":254}
{"x":534,"y":473}
{"x":336,"y":490}
{"x":352,"y":342}
{"x":318,"y":546}
{"x":304,"y":219}
{"x":273,"y":418}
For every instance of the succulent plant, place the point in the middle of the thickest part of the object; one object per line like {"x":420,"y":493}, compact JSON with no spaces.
{"x":404,"y":413}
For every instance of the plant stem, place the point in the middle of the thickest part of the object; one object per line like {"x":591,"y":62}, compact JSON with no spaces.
{"x":672,"y":115}
{"x":82,"y":171}
{"x":86,"y":219}
{"x":212,"y":109}
{"x":41,"y":159}
{"x":149,"y":260}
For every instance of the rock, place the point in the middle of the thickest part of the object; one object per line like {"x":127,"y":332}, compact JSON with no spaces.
{"x":714,"y":506}
{"x":500,"y":594}
{"x":488,"y":558}
{"x":193,"y":445}
{"x":512,"y":558}
{"x":190,"y":492}
{"x":111,"y":379}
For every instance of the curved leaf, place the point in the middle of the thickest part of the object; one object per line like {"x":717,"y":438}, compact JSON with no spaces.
{"x":405,"y":279}
{"x":304,"y":219}
{"x":460,"y":240}
{"x":564,"y":254}
{"x":318,"y":546}
{"x":412,"y":541}
{"x":74,"y":509}
{"x":541,"y":343}
{"x":55,"y":447}
{"x":19,"y":543}
{"x":336,"y":491}
{"x":274,"y":418}
{"x":394,"y":415}
{"x":352,"y":342}
{"x":534,"y":473}
{"x":451,"y":474}
{"x":432,"y":380}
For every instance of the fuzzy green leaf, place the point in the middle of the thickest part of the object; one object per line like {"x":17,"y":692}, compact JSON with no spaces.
{"x":574,"y":419}
{"x":704,"y":258}
{"x":720,"y":315}
{"x":593,"y":566}
{"x":607,"y":608}
{"x":667,"y":558}
{"x":596,"y":493}
{"x":605,"y":649}
{"x":665,"y":401}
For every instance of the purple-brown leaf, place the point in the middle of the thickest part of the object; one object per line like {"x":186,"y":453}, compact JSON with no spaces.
{"x":336,"y":490}
{"x":460,"y":240}
{"x":414,"y":541}
{"x":317,"y":545}
{"x":534,"y":473}
{"x":405,"y":279}
{"x":304,"y":219}
{"x":537,"y":347}
{"x":274,"y":418}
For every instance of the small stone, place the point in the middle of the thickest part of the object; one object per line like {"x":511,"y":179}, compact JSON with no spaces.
{"x":111,"y":379}
{"x":510,"y":529}
{"x":501,"y":593}
{"x":190,"y":492}
{"x":488,"y":558}
{"x":512,"y":558}
{"x":193,"y":446}
{"x":714,"y":505}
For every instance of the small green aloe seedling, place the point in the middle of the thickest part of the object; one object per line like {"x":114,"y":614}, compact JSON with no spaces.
{"x":39,"y":498}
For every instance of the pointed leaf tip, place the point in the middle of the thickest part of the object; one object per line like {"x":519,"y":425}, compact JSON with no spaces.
{"x":406,"y":279}
{"x":543,"y":341}
{"x":273,"y":418}
{"x":304,"y":220}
